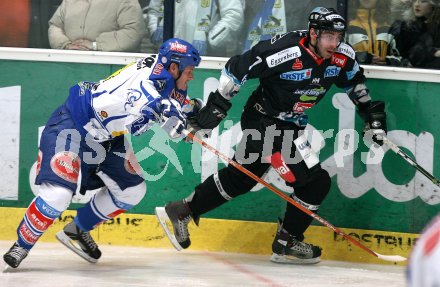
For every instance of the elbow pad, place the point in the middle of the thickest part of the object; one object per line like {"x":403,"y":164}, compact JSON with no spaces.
{"x":228,"y":85}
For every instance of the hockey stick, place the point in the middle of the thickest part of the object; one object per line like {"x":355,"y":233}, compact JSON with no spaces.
{"x":393,"y":258}
{"x":398,"y":151}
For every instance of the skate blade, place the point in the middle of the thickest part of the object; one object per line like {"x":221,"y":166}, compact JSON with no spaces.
{"x":163,"y":218}
{"x":284,"y":259}
{"x":66,"y":241}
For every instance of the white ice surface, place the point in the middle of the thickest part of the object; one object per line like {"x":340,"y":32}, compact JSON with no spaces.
{"x":51,"y":264}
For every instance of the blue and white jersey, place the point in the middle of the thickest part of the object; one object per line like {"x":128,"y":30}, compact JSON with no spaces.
{"x":125,"y":102}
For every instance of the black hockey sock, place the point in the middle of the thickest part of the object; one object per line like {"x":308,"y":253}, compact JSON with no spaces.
{"x":206,"y":197}
{"x":312,"y":194}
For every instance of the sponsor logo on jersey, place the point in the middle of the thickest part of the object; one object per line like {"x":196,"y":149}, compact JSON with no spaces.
{"x":346,"y":50}
{"x":339,"y":60}
{"x":300,"y":107}
{"x":311,"y":92}
{"x":352,"y":73}
{"x":179,"y":97}
{"x":132,"y":97}
{"x":306,"y":98}
{"x":331,"y":71}
{"x":158,"y":69}
{"x":297,"y":75}
{"x":180,"y":48}
{"x":298,"y":65}
{"x":66,"y":165}
{"x":316,"y":81}
{"x":283,"y":56}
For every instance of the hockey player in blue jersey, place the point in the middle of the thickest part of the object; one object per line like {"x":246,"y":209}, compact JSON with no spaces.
{"x":85,"y":135}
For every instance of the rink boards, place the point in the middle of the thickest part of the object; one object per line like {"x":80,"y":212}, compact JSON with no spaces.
{"x":226,"y":236}
{"x":383,"y":204}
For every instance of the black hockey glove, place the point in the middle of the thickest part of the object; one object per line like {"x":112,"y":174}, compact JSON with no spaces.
{"x":213,"y":113}
{"x":208,"y":117}
{"x":376,"y":121}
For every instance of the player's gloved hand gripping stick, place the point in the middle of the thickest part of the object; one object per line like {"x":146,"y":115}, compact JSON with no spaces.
{"x":393,"y":258}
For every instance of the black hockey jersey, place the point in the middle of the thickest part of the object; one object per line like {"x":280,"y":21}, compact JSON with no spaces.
{"x":292,"y":78}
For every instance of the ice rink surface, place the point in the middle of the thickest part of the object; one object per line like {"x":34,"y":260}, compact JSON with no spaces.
{"x":51,"y":264}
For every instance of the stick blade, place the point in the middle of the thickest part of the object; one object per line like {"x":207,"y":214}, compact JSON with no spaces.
{"x":392,"y":258}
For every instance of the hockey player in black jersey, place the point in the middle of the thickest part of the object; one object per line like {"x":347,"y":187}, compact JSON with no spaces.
{"x":295,"y":70}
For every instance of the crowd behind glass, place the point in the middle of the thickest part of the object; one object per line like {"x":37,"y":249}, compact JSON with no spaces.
{"x":402,"y":33}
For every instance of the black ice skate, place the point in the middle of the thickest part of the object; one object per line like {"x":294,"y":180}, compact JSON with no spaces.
{"x":79,"y":242}
{"x":176,"y":214}
{"x":288,"y":249}
{"x":15,"y":255}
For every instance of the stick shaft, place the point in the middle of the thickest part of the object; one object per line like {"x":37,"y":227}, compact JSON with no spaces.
{"x":412,"y":162}
{"x":279,"y":193}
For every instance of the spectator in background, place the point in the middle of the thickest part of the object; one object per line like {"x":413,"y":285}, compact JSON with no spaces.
{"x":103,"y":25}
{"x":424,"y":263}
{"x":418,"y":34}
{"x":146,"y":45}
{"x":267,"y":18}
{"x":212,"y":26}
{"x":368,"y":32}
{"x":398,"y":7}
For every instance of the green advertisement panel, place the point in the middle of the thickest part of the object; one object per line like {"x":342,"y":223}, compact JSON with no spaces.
{"x":367,"y":193}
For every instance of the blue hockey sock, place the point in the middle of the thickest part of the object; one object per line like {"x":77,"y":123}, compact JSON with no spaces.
{"x":37,"y":219}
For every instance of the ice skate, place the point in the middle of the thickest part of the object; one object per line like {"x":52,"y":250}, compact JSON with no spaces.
{"x":176,"y":214}
{"x":289,"y":250}
{"x":79,"y":242}
{"x":15,"y":255}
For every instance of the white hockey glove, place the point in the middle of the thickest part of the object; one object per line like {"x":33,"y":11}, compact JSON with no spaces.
{"x":172,"y":119}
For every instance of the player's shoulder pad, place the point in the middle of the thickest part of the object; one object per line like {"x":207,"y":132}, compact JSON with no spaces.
{"x":347,"y":50}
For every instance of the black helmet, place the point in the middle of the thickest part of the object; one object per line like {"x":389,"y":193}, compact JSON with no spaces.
{"x":326,"y":19}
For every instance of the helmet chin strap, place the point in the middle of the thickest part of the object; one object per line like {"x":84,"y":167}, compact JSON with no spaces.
{"x":178,"y":71}
{"x":180,"y":75}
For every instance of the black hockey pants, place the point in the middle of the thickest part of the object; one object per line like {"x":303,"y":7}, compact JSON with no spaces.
{"x":310,"y":188}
